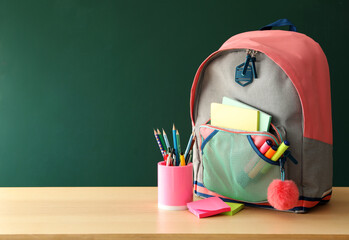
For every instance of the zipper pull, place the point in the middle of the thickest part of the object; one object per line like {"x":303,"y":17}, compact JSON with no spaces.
{"x":282,"y":168}
{"x":288,"y":155}
{"x":245,"y":73}
{"x":283,"y":159}
{"x":253,"y":60}
{"x":247,"y":62}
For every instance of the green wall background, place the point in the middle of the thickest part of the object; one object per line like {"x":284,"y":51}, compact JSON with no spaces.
{"x":83,"y":83}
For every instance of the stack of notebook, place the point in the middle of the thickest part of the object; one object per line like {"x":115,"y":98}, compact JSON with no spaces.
{"x":237,"y":115}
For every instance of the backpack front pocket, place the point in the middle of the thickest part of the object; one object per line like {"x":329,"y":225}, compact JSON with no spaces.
{"x":234,"y":167}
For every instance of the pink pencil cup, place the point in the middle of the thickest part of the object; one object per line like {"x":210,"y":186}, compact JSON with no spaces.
{"x":175,"y":186}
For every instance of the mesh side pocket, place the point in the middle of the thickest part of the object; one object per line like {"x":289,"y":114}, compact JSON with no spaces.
{"x":232,"y":168}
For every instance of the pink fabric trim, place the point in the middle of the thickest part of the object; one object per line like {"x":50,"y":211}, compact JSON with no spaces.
{"x":298,"y":56}
{"x":205,"y":132}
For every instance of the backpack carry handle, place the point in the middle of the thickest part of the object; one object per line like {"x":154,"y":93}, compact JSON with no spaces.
{"x":279,"y":23}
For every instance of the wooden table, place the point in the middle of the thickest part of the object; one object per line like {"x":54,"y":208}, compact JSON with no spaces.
{"x":132,"y":213}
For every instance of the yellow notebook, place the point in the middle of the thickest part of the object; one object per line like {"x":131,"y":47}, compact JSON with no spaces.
{"x":234,"y":117}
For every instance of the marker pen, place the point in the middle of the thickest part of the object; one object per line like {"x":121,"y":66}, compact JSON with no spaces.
{"x":270,"y":153}
{"x":282,"y":148}
{"x":265,"y":147}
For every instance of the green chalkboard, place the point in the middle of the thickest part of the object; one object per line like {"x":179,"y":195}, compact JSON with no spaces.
{"x":83,"y":83}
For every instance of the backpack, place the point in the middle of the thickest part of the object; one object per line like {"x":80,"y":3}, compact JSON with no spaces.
{"x":290,"y":81}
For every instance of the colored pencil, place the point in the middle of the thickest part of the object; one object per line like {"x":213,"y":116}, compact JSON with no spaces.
{"x":188,"y":156}
{"x":166,"y":139}
{"x":159,"y":143}
{"x":174,"y":160}
{"x":182,"y":159}
{"x":161,"y":140}
{"x":175,"y":141}
{"x":178,"y":139}
{"x":188,"y":145}
{"x":169,"y":160}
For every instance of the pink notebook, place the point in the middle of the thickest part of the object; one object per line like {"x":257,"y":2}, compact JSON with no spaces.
{"x":208,"y":207}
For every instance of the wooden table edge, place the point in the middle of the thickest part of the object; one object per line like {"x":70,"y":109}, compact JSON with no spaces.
{"x":170,"y":236}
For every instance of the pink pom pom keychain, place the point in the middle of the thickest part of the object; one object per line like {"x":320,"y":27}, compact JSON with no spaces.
{"x":283,"y":194}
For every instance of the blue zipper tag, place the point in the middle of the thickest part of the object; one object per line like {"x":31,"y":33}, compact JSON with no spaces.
{"x":245,"y":73}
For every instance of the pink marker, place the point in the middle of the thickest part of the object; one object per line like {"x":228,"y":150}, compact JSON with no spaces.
{"x":265,"y":147}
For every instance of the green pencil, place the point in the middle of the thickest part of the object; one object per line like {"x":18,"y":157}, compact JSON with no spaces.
{"x":162,"y":140}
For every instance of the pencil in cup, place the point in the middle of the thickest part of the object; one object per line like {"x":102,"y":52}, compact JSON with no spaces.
{"x":178,"y":139}
{"x":174,"y":163}
{"x":182,"y":160}
{"x":166,"y":139}
{"x":169,"y":158}
{"x":162,"y":141}
{"x":188,"y":156}
{"x":159,"y":143}
{"x":175,"y":141}
{"x":189,"y":145}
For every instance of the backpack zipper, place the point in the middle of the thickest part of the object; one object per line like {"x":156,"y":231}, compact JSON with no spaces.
{"x":244,"y":133}
{"x":246,"y":72}
{"x":251,"y":57}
